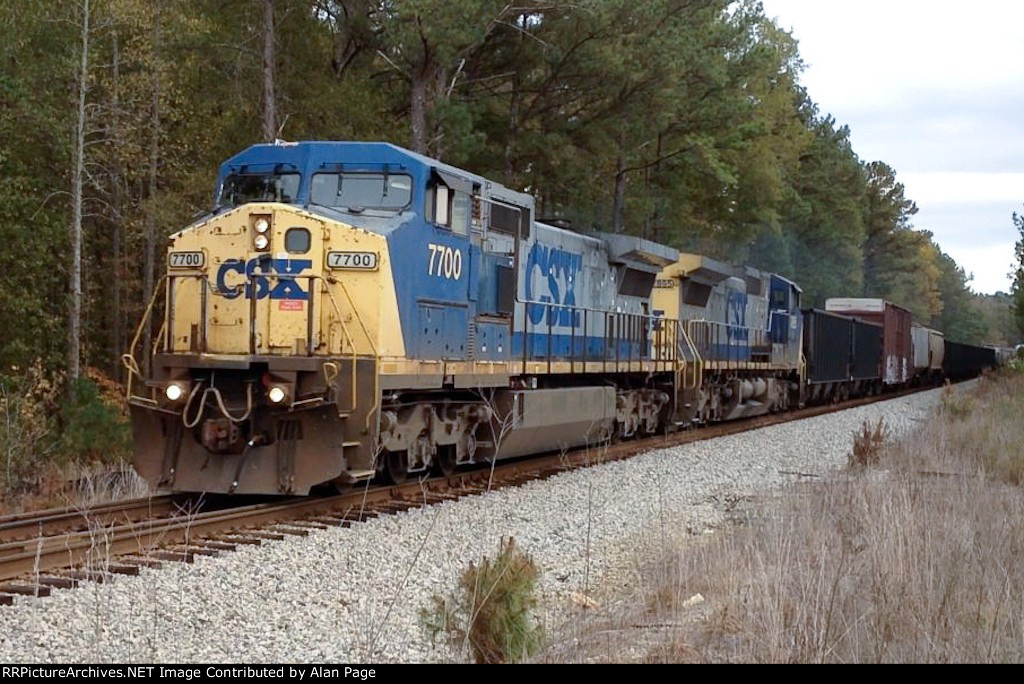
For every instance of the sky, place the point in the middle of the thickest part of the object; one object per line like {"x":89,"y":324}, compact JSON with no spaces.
{"x":935,"y":89}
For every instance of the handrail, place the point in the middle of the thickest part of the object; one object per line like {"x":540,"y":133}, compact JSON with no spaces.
{"x":128,"y":359}
{"x":376,"y":356}
{"x":698,"y":362}
{"x":619,"y":327}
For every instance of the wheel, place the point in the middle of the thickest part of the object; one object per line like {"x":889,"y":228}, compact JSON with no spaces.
{"x":445,"y":460}
{"x":396,"y":466}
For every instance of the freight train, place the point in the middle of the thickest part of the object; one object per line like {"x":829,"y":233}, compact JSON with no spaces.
{"x":351,"y":311}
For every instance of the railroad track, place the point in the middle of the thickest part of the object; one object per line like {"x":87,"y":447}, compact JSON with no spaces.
{"x":57,"y":520}
{"x":62,"y":548}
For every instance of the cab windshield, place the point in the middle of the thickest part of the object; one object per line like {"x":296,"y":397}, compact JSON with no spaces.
{"x":360,"y":191}
{"x":241,"y":188}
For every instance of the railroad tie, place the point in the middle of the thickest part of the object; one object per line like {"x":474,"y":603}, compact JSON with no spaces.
{"x":58,"y":582}
{"x":175,"y":556}
{"x":87,"y":576}
{"x":215,"y":545}
{"x":244,"y":540}
{"x":25,"y":589}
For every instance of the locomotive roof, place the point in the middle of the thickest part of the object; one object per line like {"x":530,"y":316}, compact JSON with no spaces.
{"x":307,"y":157}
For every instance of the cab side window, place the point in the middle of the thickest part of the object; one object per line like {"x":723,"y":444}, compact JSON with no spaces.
{"x":460,"y":214}
{"x":448,"y":208}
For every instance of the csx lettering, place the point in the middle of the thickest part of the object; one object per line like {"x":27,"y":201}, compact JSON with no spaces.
{"x":736,"y":315}
{"x":445,"y":262}
{"x":562,"y":269}
{"x":267,"y":285}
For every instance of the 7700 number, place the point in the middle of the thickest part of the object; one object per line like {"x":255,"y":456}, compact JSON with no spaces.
{"x":357,"y":261}
{"x":445,"y":262}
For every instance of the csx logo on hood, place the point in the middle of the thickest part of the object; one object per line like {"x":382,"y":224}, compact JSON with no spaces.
{"x":264,"y":270}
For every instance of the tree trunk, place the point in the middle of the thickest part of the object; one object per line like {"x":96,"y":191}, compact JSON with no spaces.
{"x":269,"y":92}
{"x":418,"y":111}
{"x":619,"y":205}
{"x":154,"y":157}
{"x":75,"y":294}
{"x":115,"y":331}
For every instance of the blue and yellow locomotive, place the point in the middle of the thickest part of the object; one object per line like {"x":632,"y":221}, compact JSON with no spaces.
{"x":355,"y":310}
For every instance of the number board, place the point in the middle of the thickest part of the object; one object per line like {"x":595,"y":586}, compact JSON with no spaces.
{"x":359,"y":261}
{"x":186,"y":260}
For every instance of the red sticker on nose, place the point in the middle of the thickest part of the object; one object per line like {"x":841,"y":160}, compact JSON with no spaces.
{"x":290,"y":305}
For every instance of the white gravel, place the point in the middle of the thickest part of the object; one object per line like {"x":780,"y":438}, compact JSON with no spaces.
{"x":355,"y":594}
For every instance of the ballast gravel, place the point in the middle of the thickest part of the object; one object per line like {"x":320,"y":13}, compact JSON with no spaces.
{"x":355,"y":594}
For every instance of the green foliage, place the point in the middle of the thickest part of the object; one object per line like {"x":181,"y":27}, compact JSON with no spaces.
{"x":93,"y":429}
{"x":490,"y":611}
{"x":43,"y":428}
{"x":29,"y":402}
{"x":961,"y":319}
{"x":1017,"y":290}
{"x":680,"y":121}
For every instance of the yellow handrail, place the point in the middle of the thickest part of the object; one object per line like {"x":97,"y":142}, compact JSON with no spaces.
{"x":698,"y":362}
{"x":376,"y":356}
{"x":348,"y":336}
{"x":128,"y":359}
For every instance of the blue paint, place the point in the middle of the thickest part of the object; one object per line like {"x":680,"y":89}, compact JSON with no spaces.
{"x":284,"y":287}
{"x":785,"y":306}
{"x":736,"y":316}
{"x":416,"y":288}
{"x":569,"y":348}
{"x":492,"y":342}
{"x":310,"y":157}
{"x":562,"y":270}
{"x":441,"y":332}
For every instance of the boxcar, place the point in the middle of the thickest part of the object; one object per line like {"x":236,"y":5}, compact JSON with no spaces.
{"x":897,"y":348}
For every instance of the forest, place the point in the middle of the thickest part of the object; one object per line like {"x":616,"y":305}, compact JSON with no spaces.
{"x":683,"y":121}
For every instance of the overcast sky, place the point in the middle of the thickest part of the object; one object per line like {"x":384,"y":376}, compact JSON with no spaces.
{"x":935,"y":89}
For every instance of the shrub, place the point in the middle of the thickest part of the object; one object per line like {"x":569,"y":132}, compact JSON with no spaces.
{"x":490,"y":610}
{"x":94,"y":430}
{"x":868,"y":443}
{"x":43,"y":430}
{"x":29,"y":403}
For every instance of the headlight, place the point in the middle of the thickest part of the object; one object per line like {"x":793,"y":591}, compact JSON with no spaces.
{"x":174,"y":392}
{"x":262,"y":225}
{"x":276,"y":395}
{"x":261,"y":242}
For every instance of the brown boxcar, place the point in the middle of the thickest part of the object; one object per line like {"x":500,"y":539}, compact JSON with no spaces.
{"x":897,"y":349}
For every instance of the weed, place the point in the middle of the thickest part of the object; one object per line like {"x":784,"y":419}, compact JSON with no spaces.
{"x":955,"y":405}
{"x":868,"y":444}
{"x":490,"y":610}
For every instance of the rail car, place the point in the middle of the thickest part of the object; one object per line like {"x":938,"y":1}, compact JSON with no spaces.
{"x":965,"y":360}
{"x":843,"y":356}
{"x":351,"y":311}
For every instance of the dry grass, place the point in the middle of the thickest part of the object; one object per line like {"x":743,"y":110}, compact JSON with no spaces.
{"x":868,"y":444}
{"x":916,"y":559}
